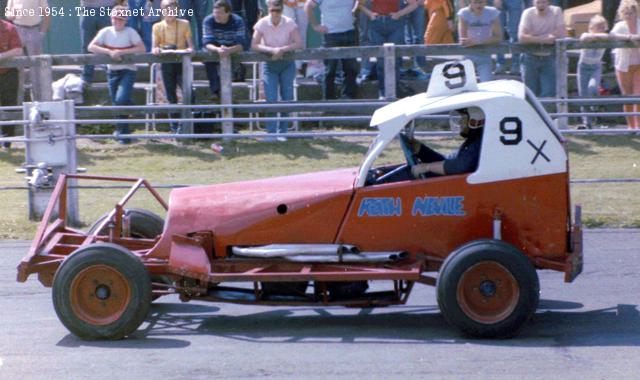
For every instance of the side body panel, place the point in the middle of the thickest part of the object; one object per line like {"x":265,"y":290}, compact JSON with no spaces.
{"x":306,"y":208}
{"x":436,"y":215}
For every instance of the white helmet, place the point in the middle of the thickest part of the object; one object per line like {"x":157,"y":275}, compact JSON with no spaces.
{"x":473,"y":117}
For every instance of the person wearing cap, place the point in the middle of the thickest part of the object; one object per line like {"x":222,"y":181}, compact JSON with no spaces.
{"x":464,"y":160}
{"x":116,"y":41}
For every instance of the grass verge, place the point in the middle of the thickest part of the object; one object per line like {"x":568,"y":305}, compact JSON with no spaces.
{"x":604,"y":205}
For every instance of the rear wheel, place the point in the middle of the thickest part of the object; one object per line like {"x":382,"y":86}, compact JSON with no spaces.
{"x":143,"y":224}
{"x":102,"y":292}
{"x":487,"y":289}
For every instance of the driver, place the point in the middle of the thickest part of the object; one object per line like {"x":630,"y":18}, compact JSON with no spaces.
{"x":464,"y":160}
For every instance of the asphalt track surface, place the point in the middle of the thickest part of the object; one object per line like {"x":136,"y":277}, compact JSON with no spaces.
{"x":589,"y":329}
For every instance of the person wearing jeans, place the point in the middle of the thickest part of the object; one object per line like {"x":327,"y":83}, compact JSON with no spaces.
{"x":171,"y":36}
{"x":116,"y":41}
{"x":414,"y":35}
{"x":199,"y":8}
{"x":510,"y":15}
{"x":541,"y":24}
{"x":275,"y":35}
{"x":143,"y":23}
{"x":590,"y":65}
{"x":92,"y":20}
{"x":386,"y":25}
{"x":480,"y":25}
{"x":338,"y":30}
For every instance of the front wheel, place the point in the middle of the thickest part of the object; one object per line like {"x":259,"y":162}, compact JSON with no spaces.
{"x":102,"y":292}
{"x":487,"y":289}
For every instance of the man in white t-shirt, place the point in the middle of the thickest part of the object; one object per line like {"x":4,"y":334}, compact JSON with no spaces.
{"x":541,"y":24}
{"x":116,"y":41}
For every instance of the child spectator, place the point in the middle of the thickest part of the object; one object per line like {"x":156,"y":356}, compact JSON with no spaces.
{"x":170,"y":36}
{"x":116,"y":41}
{"x":276,"y":34}
{"x":480,"y":25}
{"x":590,"y":63}
{"x":92,"y":20}
{"x":627,"y":60}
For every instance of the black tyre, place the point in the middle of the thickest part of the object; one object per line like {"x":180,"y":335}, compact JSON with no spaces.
{"x":143,"y":224}
{"x":102,"y":292}
{"x":488,"y":289}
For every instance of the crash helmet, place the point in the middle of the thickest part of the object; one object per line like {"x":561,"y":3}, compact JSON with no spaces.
{"x":471,"y":117}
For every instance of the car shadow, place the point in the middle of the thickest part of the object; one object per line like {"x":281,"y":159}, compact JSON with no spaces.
{"x":141,"y":339}
{"x":556,"y":323}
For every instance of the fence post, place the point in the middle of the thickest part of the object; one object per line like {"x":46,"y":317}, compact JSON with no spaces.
{"x":187,"y":91}
{"x":389,"y":71}
{"x":42,"y":78}
{"x":226,"y":92}
{"x":562,"y":82}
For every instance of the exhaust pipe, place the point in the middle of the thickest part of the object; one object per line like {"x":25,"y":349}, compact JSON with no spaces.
{"x":364,"y":257}
{"x":285,"y":250}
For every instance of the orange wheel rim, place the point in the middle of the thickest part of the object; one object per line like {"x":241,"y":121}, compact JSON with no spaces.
{"x":99,"y":295}
{"x":487,"y":292}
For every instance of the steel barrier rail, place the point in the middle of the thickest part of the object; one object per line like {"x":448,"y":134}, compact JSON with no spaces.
{"x":585,"y":181}
{"x":295,"y":135}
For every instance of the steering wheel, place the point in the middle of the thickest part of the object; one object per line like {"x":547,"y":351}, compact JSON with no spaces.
{"x":411,"y":157}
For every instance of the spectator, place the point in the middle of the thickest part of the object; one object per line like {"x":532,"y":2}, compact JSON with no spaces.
{"x":386,"y":24}
{"x":224,"y":33}
{"x":143,"y":23}
{"x":440,"y":27}
{"x":367,"y":67}
{"x":590,"y":63}
{"x":248,"y":10}
{"x":414,"y":35}
{"x":276,"y":34}
{"x":510,"y":15}
{"x":31,"y":28}
{"x":171,"y":36}
{"x":116,"y":41}
{"x":294,"y":9}
{"x":10,"y":46}
{"x":541,"y":24}
{"x":92,"y":19}
{"x":198,"y":10}
{"x":337,"y":27}
{"x":480,"y":25}
{"x":627,"y":60}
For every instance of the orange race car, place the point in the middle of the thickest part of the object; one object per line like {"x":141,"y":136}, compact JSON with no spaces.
{"x":476,"y":224}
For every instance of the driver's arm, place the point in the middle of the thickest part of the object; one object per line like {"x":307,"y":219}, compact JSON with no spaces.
{"x":430,"y":167}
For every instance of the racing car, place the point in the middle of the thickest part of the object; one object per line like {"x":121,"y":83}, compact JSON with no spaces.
{"x":322,"y":238}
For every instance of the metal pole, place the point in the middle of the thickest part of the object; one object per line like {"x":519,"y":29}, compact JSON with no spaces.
{"x":562,"y":79}
{"x":226,"y":92}
{"x":389,"y":71}
{"x":42,"y":78}
{"x":187,"y":95}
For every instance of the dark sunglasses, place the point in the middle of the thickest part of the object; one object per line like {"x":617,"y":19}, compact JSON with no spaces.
{"x":275,"y":10}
